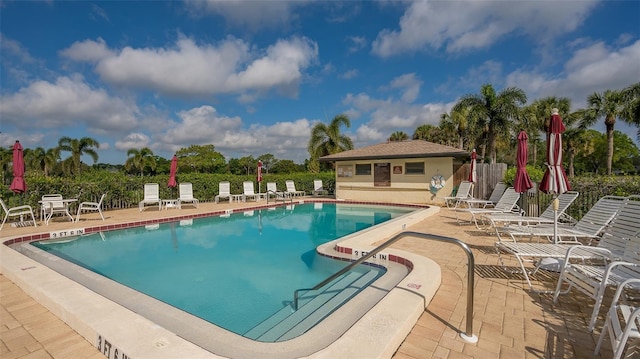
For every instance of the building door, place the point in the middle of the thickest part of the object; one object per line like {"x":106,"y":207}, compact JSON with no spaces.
{"x":382,"y":175}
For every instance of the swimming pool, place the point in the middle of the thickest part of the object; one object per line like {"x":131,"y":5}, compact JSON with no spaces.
{"x":342,"y":334}
{"x":235,"y":272}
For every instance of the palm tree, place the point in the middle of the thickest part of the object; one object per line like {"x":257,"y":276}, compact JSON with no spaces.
{"x":631,"y":95}
{"x":458,"y":123}
{"x":494,"y":109}
{"x":139,"y":159}
{"x":83,"y":146}
{"x":327,"y":139}
{"x":42,"y":160}
{"x":535,"y":118}
{"x":399,"y":136}
{"x":608,"y":105}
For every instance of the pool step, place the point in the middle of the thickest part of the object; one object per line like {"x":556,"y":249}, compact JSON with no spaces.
{"x":312,"y":308}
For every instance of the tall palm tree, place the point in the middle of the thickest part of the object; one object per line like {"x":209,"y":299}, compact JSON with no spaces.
{"x":495,"y":109}
{"x":399,"y":136}
{"x":460,"y":123}
{"x":608,"y":105}
{"x":78,"y":147}
{"x":41,"y":159}
{"x":631,"y":96}
{"x":327,"y":139}
{"x":139,"y":159}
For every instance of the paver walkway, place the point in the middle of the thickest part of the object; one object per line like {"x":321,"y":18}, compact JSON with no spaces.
{"x":510,"y":321}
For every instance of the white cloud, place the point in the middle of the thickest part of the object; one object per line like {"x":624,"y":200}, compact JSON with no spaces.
{"x":247,"y":14}
{"x":461,"y":26}
{"x":135,"y":140}
{"x":87,"y":50}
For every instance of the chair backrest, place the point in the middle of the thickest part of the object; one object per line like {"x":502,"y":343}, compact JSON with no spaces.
{"x":464,"y":189}
{"x":272,"y":187}
{"x":248,"y":188}
{"x":101,"y":199}
{"x":224,"y":188}
{"x":151,"y":192}
{"x":317,"y":185}
{"x":291,"y":186}
{"x":564,"y":201}
{"x":52,"y":202}
{"x":622,"y":236}
{"x":186,"y":190}
{"x":600,"y":215}
{"x":4,"y":206}
{"x":497,"y":192}
{"x":508,"y":200}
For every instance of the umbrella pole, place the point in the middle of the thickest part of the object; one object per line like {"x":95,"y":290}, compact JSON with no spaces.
{"x":556,"y":206}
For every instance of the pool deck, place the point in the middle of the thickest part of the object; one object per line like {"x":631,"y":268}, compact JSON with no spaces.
{"x":509,"y":320}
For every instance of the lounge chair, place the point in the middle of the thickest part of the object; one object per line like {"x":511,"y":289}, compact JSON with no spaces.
{"x":91,"y":206}
{"x":151,"y":196}
{"x":506,"y":204}
{"x":18,"y":211}
{"x":54,"y":204}
{"x":318,"y":188}
{"x":249,"y":192}
{"x":224,"y":191}
{"x":535,"y":252}
{"x":495,"y":196}
{"x":622,"y":322}
{"x":291,"y":189}
{"x":186,"y":195}
{"x":498,"y":220}
{"x":589,"y":227}
{"x":463,"y":192}
{"x":622,"y":262}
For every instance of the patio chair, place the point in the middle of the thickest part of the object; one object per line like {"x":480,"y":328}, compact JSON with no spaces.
{"x":186,"y":195}
{"x":463,"y":192}
{"x":151,"y":196}
{"x":18,"y":211}
{"x":495,"y":196}
{"x":291,"y":189}
{"x":622,"y":322}
{"x":224,"y":191}
{"x":249,"y":192}
{"x":91,"y":206}
{"x":506,"y":204}
{"x":318,"y":188}
{"x":497,"y":220}
{"x":536,"y":252}
{"x":589,"y":227}
{"x":622,"y":261}
{"x":54,"y":204}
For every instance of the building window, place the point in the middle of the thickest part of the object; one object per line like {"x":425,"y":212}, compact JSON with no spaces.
{"x":345,"y":171}
{"x":363,"y":169}
{"x":414,"y":168}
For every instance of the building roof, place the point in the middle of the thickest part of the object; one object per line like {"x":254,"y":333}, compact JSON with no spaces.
{"x":398,"y":149}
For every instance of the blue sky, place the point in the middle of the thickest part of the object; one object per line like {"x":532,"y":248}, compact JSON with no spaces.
{"x":253,"y":77}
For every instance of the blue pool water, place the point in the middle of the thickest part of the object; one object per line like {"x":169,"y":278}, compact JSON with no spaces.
{"x":234,"y":271}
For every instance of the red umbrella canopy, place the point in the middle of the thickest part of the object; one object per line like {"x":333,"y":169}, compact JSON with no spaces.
{"x":18,"y":185}
{"x":259,"y":172}
{"x":172,"y":172}
{"x":522,"y":182}
{"x":473,"y":175}
{"x":554,"y":179}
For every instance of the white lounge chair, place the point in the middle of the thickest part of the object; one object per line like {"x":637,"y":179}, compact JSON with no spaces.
{"x":54,"y":204}
{"x":590,"y":226}
{"x":506,"y":204}
{"x":91,"y":206}
{"x":291,"y":189}
{"x":224,"y":191}
{"x":495,"y":196}
{"x":249,"y":192}
{"x":623,"y":262}
{"x":151,"y":196}
{"x":463,"y":192}
{"x":186,"y":195}
{"x":318,"y":188}
{"x":18,"y":211}
{"x":622,"y":322}
{"x":498,"y":220}
{"x":535,"y":252}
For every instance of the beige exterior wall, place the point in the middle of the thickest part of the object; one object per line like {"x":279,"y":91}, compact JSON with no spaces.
{"x":405,"y":188}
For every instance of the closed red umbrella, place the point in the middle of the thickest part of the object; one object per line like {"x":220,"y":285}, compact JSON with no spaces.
{"x":522,"y":182}
{"x":172,"y":172}
{"x":473,"y":175}
{"x":554,"y":179}
{"x":18,"y":185}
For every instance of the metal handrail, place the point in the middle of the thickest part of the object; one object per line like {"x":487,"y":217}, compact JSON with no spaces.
{"x":468,"y":335}
{"x":281,"y":195}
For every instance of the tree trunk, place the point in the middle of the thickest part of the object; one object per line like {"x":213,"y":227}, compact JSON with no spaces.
{"x":610,"y":123}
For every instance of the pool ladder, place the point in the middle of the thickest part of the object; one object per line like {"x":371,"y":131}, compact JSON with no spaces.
{"x":468,"y":335}
{"x":279,"y":196}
